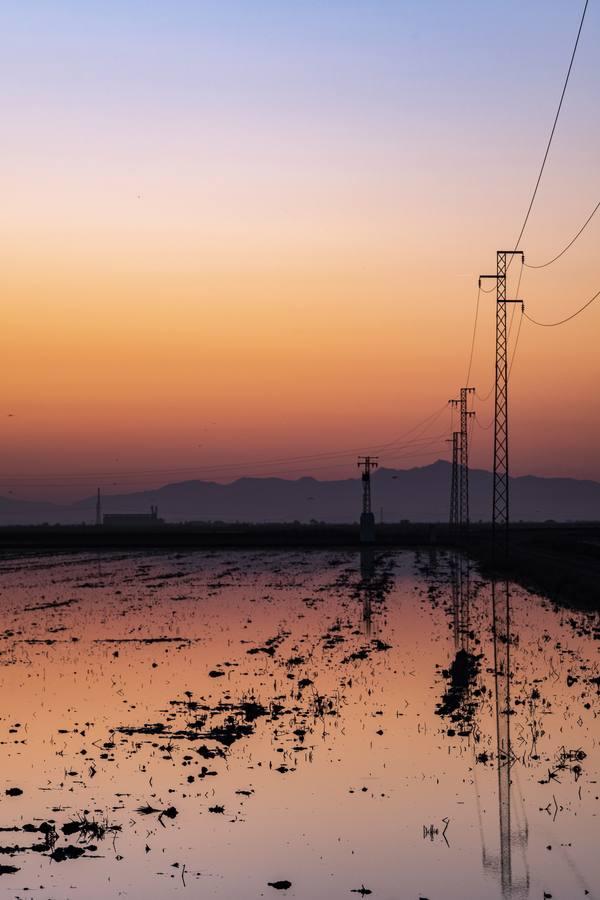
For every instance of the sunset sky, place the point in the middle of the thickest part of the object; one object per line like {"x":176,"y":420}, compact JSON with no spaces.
{"x":235,"y":233}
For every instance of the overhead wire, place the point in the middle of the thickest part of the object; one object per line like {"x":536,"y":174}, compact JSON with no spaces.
{"x":514,"y":353}
{"x":556,"y":117}
{"x":141,"y":476}
{"x":566,"y":319}
{"x":416,"y":452}
{"x":433,"y":417}
{"x":485,"y":397}
{"x":474,"y":333}
{"x":480,"y":425}
{"x":569,"y":245}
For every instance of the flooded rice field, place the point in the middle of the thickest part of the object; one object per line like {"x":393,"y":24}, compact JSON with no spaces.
{"x":293,"y":724}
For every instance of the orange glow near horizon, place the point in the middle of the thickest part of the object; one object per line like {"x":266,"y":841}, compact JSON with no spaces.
{"x":191,"y":280}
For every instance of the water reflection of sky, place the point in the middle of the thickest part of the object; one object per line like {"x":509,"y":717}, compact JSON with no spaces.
{"x":341,"y":774}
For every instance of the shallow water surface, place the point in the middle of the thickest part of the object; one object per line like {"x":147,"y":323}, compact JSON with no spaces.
{"x":219,"y":724}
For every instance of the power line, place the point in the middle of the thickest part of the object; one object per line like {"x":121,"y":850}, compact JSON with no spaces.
{"x":483,"y":398}
{"x":567,"y":319}
{"x":468,"y":378}
{"x":514,"y":353}
{"x":520,"y":276}
{"x":423,"y":425}
{"x":428,"y":422}
{"x":562,"y":97}
{"x":483,"y":427}
{"x":427,"y":449}
{"x":416,"y":444}
{"x":570,"y":244}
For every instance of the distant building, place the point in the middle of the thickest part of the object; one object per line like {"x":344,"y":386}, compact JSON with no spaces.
{"x":133,"y":520}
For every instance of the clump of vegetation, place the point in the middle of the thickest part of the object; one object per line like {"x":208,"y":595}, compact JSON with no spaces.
{"x":457,"y":702}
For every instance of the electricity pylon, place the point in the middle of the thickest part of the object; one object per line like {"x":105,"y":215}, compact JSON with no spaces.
{"x":367,"y":519}
{"x":465,"y":415}
{"x":98,"y":509}
{"x":454,"y":482}
{"x":463,"y":457}
{"x":500,"y":504}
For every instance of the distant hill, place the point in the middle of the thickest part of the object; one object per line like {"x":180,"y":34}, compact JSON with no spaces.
{"x":419,"y":494}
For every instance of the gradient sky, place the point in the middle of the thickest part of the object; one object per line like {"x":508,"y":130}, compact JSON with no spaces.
{"x":237,"y":232}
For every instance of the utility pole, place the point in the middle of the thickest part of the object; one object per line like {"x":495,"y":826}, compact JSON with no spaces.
{"x":98,"y":509}
{"x":367,"y":519}
{"x":500,"y":505}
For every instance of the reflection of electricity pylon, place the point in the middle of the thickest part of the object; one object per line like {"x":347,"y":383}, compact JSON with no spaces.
{"x":461,"y":601}
{"x":509,"y":836}
{"x":433,"y":557}
{"x":367,"y":613}
{"x":501,"y":634}
{"x":465,"y":603}
{"x":455,"y":581}
{"x":367,"y":571}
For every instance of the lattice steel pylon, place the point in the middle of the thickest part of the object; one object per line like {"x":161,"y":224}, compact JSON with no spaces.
{"x":465,"y":415}
{"x":454,"y":494}
{"x":367,"y":519}
{"x":500,"y":503}
{"x":366,"y":463}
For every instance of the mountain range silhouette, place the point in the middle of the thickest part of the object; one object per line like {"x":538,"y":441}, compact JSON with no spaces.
{"x":419,"y":494}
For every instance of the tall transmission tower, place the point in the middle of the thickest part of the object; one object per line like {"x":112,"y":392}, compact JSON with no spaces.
{"x":465,"y":415}
{"x":454,"y":493}
{"x":367,"y":519}
{"x":500,"y":504}
{"x":98,"y":509}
